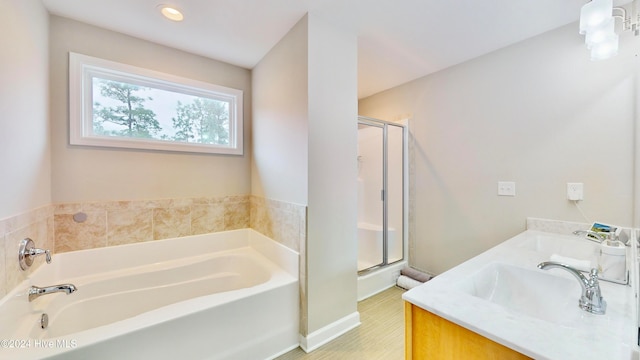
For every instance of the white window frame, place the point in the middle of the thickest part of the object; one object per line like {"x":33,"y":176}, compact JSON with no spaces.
{"x":81,"y":70}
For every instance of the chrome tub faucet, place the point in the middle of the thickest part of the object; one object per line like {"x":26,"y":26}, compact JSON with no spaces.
{"x":35,"y":292}
{"x":591,"y":298}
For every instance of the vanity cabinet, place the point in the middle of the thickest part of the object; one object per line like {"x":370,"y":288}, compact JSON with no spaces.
{"x":428,"y":336}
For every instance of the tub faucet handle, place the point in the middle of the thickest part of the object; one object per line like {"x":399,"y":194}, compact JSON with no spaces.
{"x":28,"y":251}
{"x":36,"y":252}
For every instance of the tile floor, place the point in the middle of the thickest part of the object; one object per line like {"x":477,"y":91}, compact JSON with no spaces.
{"x":380,"y":335}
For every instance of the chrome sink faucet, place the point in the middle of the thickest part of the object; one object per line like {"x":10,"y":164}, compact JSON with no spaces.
{"x":35,"y":292}
{"x":591,"y":299}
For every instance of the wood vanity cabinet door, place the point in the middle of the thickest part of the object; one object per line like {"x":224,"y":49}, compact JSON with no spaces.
{"x":428,"y":336}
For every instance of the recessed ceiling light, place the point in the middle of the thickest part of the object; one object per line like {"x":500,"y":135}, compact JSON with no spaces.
{"x":171,"y":12}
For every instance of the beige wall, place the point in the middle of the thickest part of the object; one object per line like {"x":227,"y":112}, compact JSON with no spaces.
{"x":539,"y":113}
{"x":89,"y":173}
{"x":24,"y":107}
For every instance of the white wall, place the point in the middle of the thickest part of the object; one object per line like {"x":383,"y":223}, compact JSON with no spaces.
{"x":332,"y":212}
{"x":89,"y":173}
{"x":539,"y":113}
{"x":280,"y":120}
{"x":24,"y":107}
{"x":305,"y":148}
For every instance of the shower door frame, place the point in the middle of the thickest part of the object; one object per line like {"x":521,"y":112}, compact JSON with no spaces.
{"x":385,"y":190}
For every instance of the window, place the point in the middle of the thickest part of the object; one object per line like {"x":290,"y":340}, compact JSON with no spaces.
{"x":118,"y":105}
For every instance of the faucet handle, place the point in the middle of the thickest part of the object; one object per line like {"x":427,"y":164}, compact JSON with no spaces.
{"x":28,"y":251}
{"x":36,"y":252}
{"x":593,"y":276}
{"x":592,"y":300}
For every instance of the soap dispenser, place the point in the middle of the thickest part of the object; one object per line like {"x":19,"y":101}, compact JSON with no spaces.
{"x":612,"y":264}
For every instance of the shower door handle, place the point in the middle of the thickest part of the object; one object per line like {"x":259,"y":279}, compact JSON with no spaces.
{"x":382,"y":195}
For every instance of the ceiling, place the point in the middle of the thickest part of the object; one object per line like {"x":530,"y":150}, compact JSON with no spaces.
{"x":398,"y":40}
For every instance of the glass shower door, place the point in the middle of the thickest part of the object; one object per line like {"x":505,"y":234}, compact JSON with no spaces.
{"x":395,"y":190}
{"x":380,"y":193}
{"x":370,"y":195}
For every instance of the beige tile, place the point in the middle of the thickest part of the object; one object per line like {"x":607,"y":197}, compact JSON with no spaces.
{"x":207,"y":218}
{"x":70,"y":235}
{"x":236,"y":215}
{"x":37,"y":232}
{"x":3,"y":277}
{"x":3,"y":227}
{"x":278,"y":220}
{"x":207,"y":200}
{"x":171,"y":222}
{"x":237,"y":199}
{"x":108,"y":205}
{"x":50,"y":236}
{"x":290,"y":230}
{"x":260,"y":219}
{"x":129,"y":226}
{"x":168,"y":203}
{"x":68,"y":208}
{"x":138,"y":205}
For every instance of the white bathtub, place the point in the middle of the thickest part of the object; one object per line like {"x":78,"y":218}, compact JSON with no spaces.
{"x":229,"y":295}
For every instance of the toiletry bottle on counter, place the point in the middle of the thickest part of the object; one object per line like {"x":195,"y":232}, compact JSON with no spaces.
{"x":612,"y":263}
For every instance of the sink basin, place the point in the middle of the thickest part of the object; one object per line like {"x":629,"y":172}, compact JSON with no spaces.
{"x":576,"y":248}
{"x":527,"y":292}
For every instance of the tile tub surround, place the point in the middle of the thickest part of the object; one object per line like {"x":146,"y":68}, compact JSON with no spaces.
{"x":610,"y":336}
{"x":112,"y":223}
{"x":36,"y":224}
{"x":285,"y":223}
{"x":281,"y":221}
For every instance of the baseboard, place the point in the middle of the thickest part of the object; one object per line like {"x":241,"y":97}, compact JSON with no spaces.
{"x":329,"y":332}
{"x":379,"y":280}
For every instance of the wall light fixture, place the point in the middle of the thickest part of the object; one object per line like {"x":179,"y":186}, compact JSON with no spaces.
{"x":597,"y":23}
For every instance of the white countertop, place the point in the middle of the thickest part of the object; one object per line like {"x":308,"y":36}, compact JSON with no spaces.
{"x":580,"y":335}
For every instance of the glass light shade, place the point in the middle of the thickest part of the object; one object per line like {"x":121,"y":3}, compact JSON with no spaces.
{"x":594,"y":13}
{"x":605,"y":49}
{"x":171,"y":13}
{"x":600,"y":33}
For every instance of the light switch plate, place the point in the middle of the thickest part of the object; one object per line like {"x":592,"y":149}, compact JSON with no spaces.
{"x":506,"y":188}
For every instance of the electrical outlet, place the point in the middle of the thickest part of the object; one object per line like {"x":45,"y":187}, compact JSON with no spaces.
{"x":575,"y":191}
{"x":506,"y":188}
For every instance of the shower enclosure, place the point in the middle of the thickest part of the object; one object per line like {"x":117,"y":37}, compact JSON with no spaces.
{"x":381,"y":152}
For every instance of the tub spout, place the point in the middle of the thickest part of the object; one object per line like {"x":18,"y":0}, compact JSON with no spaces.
{"x":35,"y":292}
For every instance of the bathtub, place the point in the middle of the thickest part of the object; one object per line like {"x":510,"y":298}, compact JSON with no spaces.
{"x":228,"y":295}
